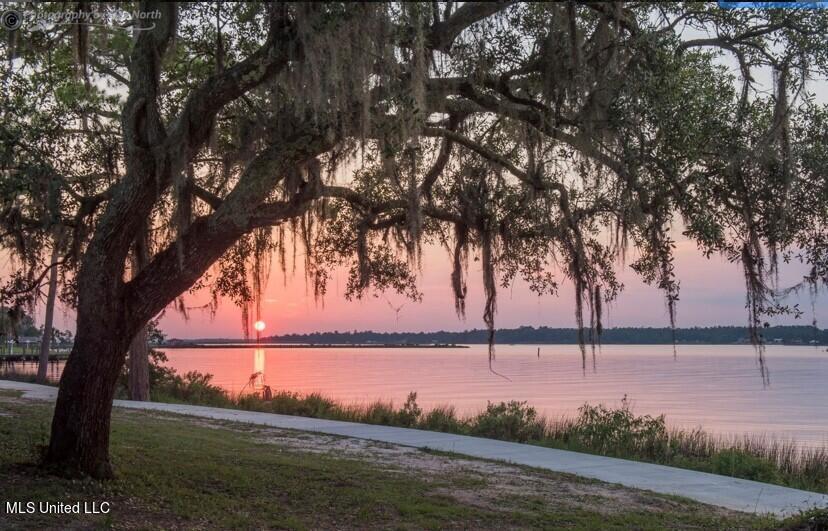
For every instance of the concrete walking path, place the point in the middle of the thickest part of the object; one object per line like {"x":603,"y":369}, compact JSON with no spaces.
{"x":732,"y":493}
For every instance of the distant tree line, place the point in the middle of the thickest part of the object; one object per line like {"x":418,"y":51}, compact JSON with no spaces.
{"x":546,"y":335}
{"x":16,"y":324}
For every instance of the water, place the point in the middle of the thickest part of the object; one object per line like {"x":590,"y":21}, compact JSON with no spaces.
{"x":715,"y":387}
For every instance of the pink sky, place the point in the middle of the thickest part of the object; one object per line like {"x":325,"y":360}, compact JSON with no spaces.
{"x":712,"y":293}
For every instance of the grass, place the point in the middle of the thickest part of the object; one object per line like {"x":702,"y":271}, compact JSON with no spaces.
{"x":175,"y":472}
{"x":597,"y":429}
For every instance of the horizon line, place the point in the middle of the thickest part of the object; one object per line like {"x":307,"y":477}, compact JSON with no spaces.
{"x":483,"y":330}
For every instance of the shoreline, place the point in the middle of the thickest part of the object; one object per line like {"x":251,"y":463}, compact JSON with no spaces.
{"x":310,"y":345}
{"x":595,"y":430}
{"x":344,"y":480}
{"x":464,"y":345}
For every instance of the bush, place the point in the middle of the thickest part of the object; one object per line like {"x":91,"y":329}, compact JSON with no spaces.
{"x":619,"y":431}
{"x":509,"y":421}
{"x":317,"y":405}
{"x":379,"y":412}
{"x":812,"y":520}
{"x":410,"y":413}
{"x":10,"y":373}
{"x":442,"y":418}
{"x":161,"y":378}
{"x":740,"y":464}
{"x":288,"y":403}
{"x":195,"y":388}
{"x":159,"y":374}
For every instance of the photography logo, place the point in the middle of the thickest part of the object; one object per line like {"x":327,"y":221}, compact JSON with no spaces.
{"x":44,"y":20}
{"x":773,"y":5}
{"x":11,"y":19}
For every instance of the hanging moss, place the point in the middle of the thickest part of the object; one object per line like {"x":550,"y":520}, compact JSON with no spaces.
{"x":459,"y":266}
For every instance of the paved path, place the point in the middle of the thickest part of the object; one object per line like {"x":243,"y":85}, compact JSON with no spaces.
{"x":737,"y":494}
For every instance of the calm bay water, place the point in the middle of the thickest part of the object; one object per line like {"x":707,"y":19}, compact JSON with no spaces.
{"x":716,"y":387}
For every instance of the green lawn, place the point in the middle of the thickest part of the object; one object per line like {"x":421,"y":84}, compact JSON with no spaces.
{"x":175,"y":472}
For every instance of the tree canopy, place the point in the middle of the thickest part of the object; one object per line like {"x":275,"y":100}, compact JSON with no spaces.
{"x":546,"y":140}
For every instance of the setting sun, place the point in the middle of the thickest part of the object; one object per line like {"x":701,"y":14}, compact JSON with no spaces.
{"x":259,"y":326}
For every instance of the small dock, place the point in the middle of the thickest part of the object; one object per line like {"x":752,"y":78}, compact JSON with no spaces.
{"x":14,"y":358}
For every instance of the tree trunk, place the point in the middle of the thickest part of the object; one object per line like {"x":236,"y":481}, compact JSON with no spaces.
{"x":79,"y":442}
{"x":80,"y":426}
{"x":46,"y":340}
{"x":139,"y":367}
{"x":138,"y":374}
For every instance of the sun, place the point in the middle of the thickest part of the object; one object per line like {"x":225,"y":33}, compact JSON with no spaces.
{"x":259,"y":325}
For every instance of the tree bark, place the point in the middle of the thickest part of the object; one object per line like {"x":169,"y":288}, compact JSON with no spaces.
{"x":139,"y":367}
{"x":138,"y":374}
{"x":46,"y":340}
{"x":80,"y":426}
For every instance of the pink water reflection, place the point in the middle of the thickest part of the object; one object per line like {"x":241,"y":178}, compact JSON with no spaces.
{"x":717,"y":387}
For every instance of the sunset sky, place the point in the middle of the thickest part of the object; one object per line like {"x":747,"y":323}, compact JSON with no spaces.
{"x":712,"y":293}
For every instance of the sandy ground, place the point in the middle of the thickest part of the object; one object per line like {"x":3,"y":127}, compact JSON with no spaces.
{"x":476,"y":482}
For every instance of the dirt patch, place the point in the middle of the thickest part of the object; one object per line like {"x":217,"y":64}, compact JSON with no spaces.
{"x":475,"y":482}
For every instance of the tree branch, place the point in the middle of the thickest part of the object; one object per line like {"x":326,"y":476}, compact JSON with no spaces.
{"x":443,"y":34}
{"x":191,"y":129}
{"x":183,"y":261}
{"x":205,"y":195}
{"x":480,"y":150}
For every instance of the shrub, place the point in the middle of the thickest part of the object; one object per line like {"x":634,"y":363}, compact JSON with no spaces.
{"x":442,"y":418}
{"x":11,"y":373}
{"x":318,"y":405}
{"x":159,"y":374}
{"x":289,"y":403}
{"x":162,"y":379}
{"x":510,"y":421}
{"x":194,"y":387}
{"x":811,"y":520}
{"x":379,"y":412}
{"x":617,"y":431}
{"x":740,"y":464}
{"x":410,"y":413}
